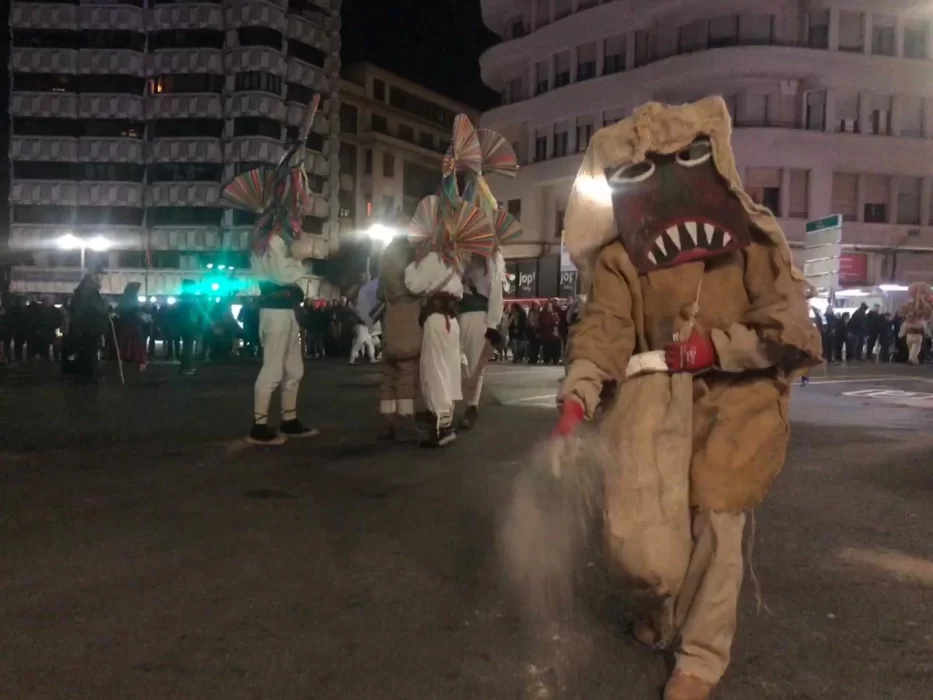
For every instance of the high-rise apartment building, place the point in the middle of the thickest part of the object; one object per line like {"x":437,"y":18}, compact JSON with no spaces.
{"x":394,"y":135}
{"x":128,"y":116}
{"x":832,"y":105}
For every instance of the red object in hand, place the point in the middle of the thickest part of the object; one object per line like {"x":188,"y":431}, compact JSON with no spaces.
{"x":694,"y":354}
{"x":571,"y":415}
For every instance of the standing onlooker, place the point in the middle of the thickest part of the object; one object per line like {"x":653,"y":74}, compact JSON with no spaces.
{"x":532,"y":333}
{"x":873,"y":322}
{"x":89,"y":322}
{"x":518,"y":326}
{"x":841,"y":335}
{"x":855,"y":334}
{"x":549,"y":334}
{"x":190,"y":318}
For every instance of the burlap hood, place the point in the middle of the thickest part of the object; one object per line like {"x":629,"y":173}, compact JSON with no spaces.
{"x":589,"y":224}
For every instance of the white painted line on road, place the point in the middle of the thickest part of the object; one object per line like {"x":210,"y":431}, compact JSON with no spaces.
{"x":863,"y":380}
{"x":527,"y":399}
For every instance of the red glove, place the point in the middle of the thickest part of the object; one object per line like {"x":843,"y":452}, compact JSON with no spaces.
{"x":694,"y":354}
{"x":571,"y":415}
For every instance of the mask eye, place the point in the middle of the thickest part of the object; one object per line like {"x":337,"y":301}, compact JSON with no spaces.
{"x":633,"y":172}
{"x":696,"y":153}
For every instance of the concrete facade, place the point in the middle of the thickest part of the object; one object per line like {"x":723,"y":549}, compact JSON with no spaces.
{"x":831,"y":101}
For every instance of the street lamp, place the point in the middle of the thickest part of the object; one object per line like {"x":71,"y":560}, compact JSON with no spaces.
{"x":382,"y":233}
{"x":69,"y":241}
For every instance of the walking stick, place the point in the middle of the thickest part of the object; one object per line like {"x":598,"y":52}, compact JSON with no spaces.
{"x":116,"y":347}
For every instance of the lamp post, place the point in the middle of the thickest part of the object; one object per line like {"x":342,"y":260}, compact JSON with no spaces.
{"x":96,"y":243}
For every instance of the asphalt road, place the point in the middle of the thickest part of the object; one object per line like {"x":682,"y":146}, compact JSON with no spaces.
{"x":147,"y":553}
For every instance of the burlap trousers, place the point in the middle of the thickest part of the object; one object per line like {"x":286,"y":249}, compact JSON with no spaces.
{"x":399,"y":387}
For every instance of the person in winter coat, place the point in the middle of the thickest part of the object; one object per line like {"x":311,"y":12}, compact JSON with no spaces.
{"x":90,"y":320}
{"x":131,"y":324}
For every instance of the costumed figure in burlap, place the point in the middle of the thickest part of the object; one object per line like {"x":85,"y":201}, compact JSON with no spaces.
{"x":401,"y":335}
{"x":916,"y":314}
{"x":697,"y":316}
{"x":484,"y":279}
{"x":448,"y":232}
{"x":280,"y":196}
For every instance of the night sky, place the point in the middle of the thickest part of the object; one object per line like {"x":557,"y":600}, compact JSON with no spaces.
{"x":434,"y":42}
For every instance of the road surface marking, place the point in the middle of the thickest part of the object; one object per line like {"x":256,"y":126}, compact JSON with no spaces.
{"x":525,"y":399}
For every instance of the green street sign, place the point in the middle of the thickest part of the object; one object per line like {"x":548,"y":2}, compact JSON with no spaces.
{"x":827,"y":222}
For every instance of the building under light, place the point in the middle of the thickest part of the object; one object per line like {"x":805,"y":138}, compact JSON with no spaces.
{"x":832,"y":104}
{"x":128,"y":117}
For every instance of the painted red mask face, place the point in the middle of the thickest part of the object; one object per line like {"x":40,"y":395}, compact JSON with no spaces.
{"x":673,"y":209}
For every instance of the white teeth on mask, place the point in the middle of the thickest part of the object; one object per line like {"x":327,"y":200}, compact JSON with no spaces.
{"x":726,"y":239}
{"x":710,"y":229}
{"x":675,"y":238}
{"x":652,"y":258}
{"x":692,"y":230}
{"x":659,"y":244}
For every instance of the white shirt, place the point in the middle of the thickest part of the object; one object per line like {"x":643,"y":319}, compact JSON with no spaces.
{"x":431,"y":275}
{"x":489,"y":281}
{"x":276,"y":265}
{"x":367,"y":301}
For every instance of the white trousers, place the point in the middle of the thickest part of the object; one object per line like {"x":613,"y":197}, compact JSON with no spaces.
{"x":914,"y":345}
{"x":472,"y":342}
{"x":362,"y":341}
{"x":282,"y":363}
{"x":440,"y":366}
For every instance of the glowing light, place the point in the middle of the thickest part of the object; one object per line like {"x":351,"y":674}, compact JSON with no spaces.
{"x":217,"y":299}
{"x":170,"y":301}
{"x":215,"y":287}
{"x":892,"y":288}
{"x":221,"y":267}
{"x":593,"y":188}
{"x":68,"y":242}
{"x":141,"y":299}
{"x":210,"y":266}
{"x":99,"y":243}
{"x":846,"y":293}
{"x":152,"y":300}
{"x":382,"y":233}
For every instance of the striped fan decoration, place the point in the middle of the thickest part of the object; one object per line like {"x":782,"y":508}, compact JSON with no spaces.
{"x":426,"y":223}
{"x":498,"y":156}
{"x":470,"y":233}
{"x":250,"y":190}
{"x":506,"y":226}
{"x":465,"y":151}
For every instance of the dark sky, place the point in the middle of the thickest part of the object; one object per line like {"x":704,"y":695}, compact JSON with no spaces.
{"x":434,"y":42}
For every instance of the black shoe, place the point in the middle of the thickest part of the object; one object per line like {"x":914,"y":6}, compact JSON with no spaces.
{"x":469,"y":418}
{"x":441,"y":437}
{"x":387,"y":433}
{"x":262,"y":434}
{"x":294,"y":428}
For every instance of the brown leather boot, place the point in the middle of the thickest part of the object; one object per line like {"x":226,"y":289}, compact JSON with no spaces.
{"x":683,"y":686}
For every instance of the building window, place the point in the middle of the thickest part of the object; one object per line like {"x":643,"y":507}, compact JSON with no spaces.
{"x":515,"y":208}
{"x":643,"y":41}
{"x":514,"y":91}
{"x":417,"y":181}
{"x":586,"y":62}
{"x":388,"y":205}
{"x":426,"y":140}
{"x":517,"y":28}
{"x":908,"y":200}
{"x":257,"y":126}
{"x":876,"y":213}
{"x":420,"y":107}
{"x":818,"y":29}
{"x":259,"y":36}
{"x":379,"y":90}
{"x":851,"y":28}
{"x":379,"y":124}
{"x":185,"y":128}
{"x":723,"y":31}
{"x":302,"y":94}
{"x":183,"y":83}
{"x":112,"y":39}
{"x":614,"y":58}
{"x":368,"y":162}
{"x":45,"y":39}
{"x":799,"y":200}
{"x":562,"y":8}
{"x":45,"y":126}
{"x":543,"y":14}
{"x":559,"y":224}
{"x":44,"y":82}
{"x":44,"y":214}
{"x":103,"y":216}
{"x":186,"y":172}
{"x":915,"y":38}
{"x":584,"y":133}
{"x":347,"y":159}
{"x":184,"y":216}
{"x":692,"y":37}
{"x":883,"y":35}
{"x":562,"y":69}
{"x":561,"y":140}
{"x":113,"y":84}
{"x":845,"y":195}
{"x":816,"y":110}
{"x":313,"y":224}
{"x":756,"y":30}
{"x":879,"y":117}
{"x":847,"y":112}
{"x":306,"y":53}
{"x":34,"y":170}
{"x":764,"y":187}
{"x":542,"y":77}
{"x":406,"y":133}
{"x":245,"y":167}
{"x":540,"y":145}
{"x":756,"y":111}
{"x":349,"y":119}
{"x":186,"y":39}
{"x":113,"y":172}
{"x":257,"y":81}
{"x":388,"y":165}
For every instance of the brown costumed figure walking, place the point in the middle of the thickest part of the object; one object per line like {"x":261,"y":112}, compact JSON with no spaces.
{"x":697,"y":316}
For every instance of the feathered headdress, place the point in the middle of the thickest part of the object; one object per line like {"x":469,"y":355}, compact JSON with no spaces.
{"x":459,"y":224}
{"x":280,"y":194}
{"x":920,"y":307}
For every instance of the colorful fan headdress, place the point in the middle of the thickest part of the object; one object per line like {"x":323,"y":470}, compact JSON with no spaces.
{"x":460,"y":224}
{"x":280,"y":193}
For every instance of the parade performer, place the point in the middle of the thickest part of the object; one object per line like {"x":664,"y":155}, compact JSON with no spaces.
{"x":916,"y":314}
{"x":281,"y":196}
{"x":401,"y":336}
{"x":484,"y":279}
{"x":448,"y":231}
{"x":697,"y":317}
